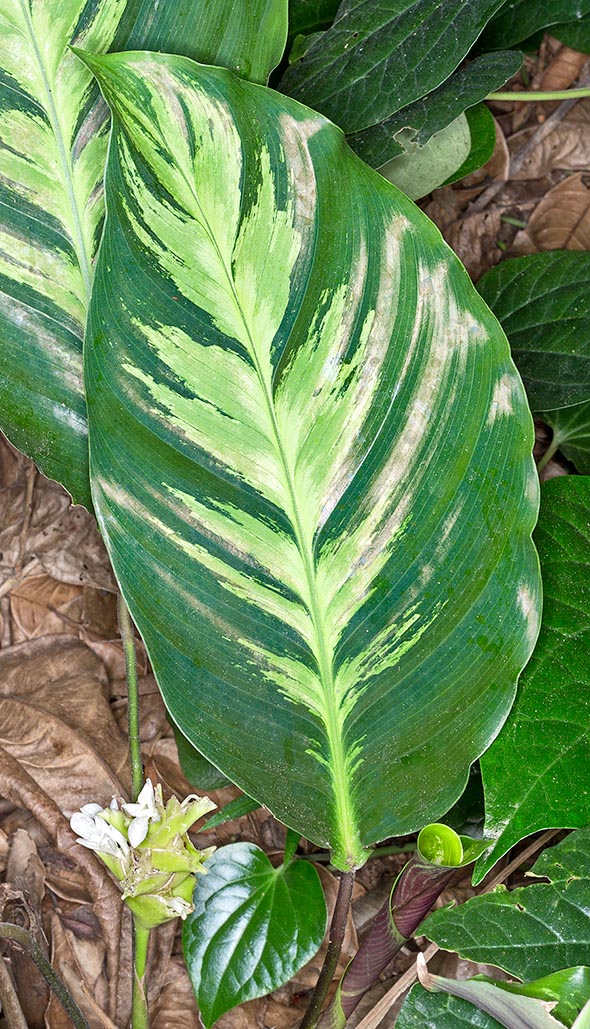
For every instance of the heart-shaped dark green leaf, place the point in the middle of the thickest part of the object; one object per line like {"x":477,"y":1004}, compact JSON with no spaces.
{"x":543,"y":304}
{"x":519,"y":19}
{"x":377,"y":58}
{"x":418,"y":121}
{"x":532,"y":931}
{"x":253,"y":927}
{"x":311,"y":458}
{"x":53,"y":142}
{"x":537,"y":772}
{"x":307,"y":16}
{"x":575,"y":34}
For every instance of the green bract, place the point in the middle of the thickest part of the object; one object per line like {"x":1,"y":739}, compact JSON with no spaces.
{"x":310,"y":454}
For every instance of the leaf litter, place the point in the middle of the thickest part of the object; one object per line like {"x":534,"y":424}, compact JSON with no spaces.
{"x":62,"y":673}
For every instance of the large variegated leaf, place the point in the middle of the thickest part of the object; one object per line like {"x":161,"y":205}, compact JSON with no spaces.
{"x":310,"y":454}
{"x":53,"y":138}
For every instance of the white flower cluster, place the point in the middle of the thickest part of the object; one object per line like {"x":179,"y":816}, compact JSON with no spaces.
{"x":146,"y":847}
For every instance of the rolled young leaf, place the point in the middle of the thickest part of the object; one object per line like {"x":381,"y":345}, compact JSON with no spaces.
{"x":439,"y":852}
{"x":310,"y":455}
{"x":53,"y":141}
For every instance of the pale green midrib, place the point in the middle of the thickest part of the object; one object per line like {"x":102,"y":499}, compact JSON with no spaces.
{"x":84,"y":259}
{"x":344,"y":806}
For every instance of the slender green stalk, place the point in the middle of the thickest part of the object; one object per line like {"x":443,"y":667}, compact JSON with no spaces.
{"x":140,"y":1018}
{"x":139,"y":1014}
{"x":549,"y":453}
{"x":128,"y":638}
{"x":17,"y":934}
{"x":556,"y":94}
{"x":336,"y":939}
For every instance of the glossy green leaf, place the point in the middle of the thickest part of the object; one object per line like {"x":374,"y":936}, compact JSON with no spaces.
{"x":311,"y":458}
{"x":424,"y":1010}
{"x":543,"y":304}
{"x":566,"y":991}
{"x":482,"y":130}
{"x":196,"y":769}
{"x":437,"y":1010}
{"x":537,"y":772}
{"x":53,"y":141}
{"x":377,"y":58}
{"x":418,"y":121}
{"x":512,"y":1012}
{"x":518,"y":19}
{"x":571,"y":433}
{"x":423,"y":168}
{"x":532,"y":931}
{"x":575,"y":34}
{"x":237,"y":808}
{"x":306,"y":16}
{"x":253,"y":927}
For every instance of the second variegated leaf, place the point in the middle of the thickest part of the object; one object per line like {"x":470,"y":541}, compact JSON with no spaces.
{"x":310,"y":454}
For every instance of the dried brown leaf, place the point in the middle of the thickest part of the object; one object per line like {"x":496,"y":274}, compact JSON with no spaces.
{"x":561,"y":220}
{"x":566,"y":147}
{"x":56,"y":722}
{"x":17,"y":905}
{"x":80,"y":963}
{"x":175,"y":1007}
{"x":563,"y":70}
{"x":473,"y":238}
{"x":65,"y":539}
{"x":38,"y":603}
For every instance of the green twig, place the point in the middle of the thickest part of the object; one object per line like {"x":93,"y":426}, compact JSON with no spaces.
{"x":17,"y":934}
{"x":556,"y":94}
{"x":140,"y":1018}
{"x":140,"y":1013}
{"x":128,"y":638}
{"x":335,"y":941}
{"x":549,"y":453}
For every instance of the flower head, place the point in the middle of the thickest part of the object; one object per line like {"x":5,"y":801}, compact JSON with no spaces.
{"x":146,"y":847}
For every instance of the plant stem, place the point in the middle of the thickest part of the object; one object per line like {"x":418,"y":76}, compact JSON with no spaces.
{"x":549,"y":453}
{"x":128,"y":638}
{"x":16,"y":933}
{"x":336,"y":938}
{"x":556,"y":94}
{"x":140,"y":1018}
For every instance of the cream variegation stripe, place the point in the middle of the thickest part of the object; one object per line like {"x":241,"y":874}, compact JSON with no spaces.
{"x":296,"y":381}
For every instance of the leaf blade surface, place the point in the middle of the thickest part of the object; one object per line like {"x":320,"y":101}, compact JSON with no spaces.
{"x":266,"y":363}
{"x":53,"y":142}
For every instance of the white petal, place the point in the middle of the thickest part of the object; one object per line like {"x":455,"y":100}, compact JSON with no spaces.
{"x":91,"y":809}
{"x":137,"y":831}
{"x":91,"y":844}
{"x":146,"y":796}
{"x":114,"y":805}
{"x":178,"y":906}
{"x":84,"y":825}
